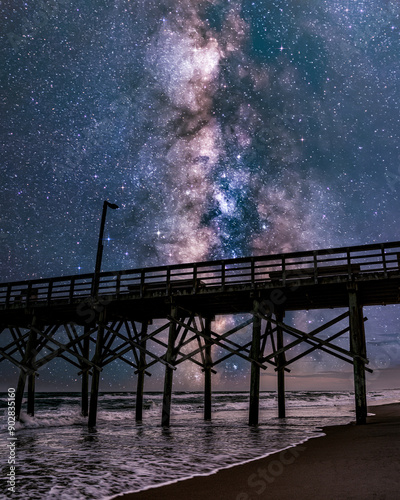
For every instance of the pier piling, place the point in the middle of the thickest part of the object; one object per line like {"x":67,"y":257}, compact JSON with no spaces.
{"x":255,"y":368}
{"x":141,"y":374}
{"x":19,"y":393}
{"x":168,"y":380}
{"x":207,"y":370}
{"x":281,"y":359}
{"x":85,"y":376}
{"x":31,"y":394}
{"x":94,"y":393}
{"x":28,"y":361}
{"x":358,"y":349}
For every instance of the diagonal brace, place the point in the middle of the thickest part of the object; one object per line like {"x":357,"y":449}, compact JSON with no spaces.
{"x":218,"y":340}
{"x":64,"y":347}
{"x":141,"y":348}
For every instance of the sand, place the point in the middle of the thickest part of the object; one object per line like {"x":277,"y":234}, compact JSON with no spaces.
{"x":350,"y":462}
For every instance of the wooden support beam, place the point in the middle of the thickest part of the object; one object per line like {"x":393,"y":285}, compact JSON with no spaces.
{"x":198,"y":333}
{"x":255,"y":368}
{"x":183,"y":342}
{"x":28,"y":361}
{"x":185,"y":331}
{"x":316,"y":346}
{"x":70,"y":333}
{"x":31,"y":394}
{"x":156,"y":332}
{"x":17,"y":340}
{"x":169,"y":358}
{"x":306,"y":337}
{"x":280,"y":361}
{"x":43,"y":342}
{"x":137,"y":339}
{"x":268,"y":333}
{"x":32,"y":376}
{"x":118,"y":353}
{"x":97,"y":359}
{"x":138,"y":346}
{"x":85,"y":375}
{"x":359,"y":351}
{"x":110,"y":337}
{"x":19,"y":394}
{"x":299,"y":334}
{"x":245,"y":348}
{"x":141,"y":373}
{"x":207,"y":369}
{"x":14,"y":361}
{"x":14,"y":348}
{"x":65,"y":348}
{"x":70,"y":361}
{"x":221,"y":341}
{"x":201,"y":348}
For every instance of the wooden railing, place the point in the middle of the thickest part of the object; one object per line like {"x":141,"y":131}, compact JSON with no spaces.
{"x":352,"y":263}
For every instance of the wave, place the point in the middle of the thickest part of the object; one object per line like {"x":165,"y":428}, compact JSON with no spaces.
{"x":57,"y":451}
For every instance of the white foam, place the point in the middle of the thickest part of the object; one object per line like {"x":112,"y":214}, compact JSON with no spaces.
{"x":53,"y":419}
{"x":136,"y":456}
{"x":214,"y":471}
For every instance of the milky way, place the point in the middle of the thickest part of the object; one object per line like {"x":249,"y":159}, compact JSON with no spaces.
{"x":221,"y":129}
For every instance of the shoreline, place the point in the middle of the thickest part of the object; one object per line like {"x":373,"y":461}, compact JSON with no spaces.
{"x":347,"y":462}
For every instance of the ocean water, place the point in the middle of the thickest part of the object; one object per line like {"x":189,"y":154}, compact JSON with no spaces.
{"x":57,"y":457}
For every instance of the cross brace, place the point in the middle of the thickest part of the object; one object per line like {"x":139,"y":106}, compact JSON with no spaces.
{"x":317,"y":343}
{"x":62,"y":348}
{"x":140,"y":347}
{"x":219,"y":341}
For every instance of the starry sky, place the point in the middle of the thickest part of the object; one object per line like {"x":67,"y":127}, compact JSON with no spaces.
{"x":222,"y":128}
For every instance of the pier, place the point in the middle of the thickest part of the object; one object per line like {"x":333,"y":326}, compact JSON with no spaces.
{"x":118,"y":322}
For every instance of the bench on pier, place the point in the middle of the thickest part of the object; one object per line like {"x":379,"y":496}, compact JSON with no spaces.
{"x":26,"y":295}
{"x":174,"y":285}
{"x":308,"y":272}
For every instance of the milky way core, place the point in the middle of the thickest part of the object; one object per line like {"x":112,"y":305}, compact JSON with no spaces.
{"x":221,"y":128}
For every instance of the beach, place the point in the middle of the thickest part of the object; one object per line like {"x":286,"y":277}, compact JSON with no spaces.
{"x":349,"y":462}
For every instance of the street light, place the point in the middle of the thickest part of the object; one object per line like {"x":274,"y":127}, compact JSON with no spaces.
{"x":96,"y":277}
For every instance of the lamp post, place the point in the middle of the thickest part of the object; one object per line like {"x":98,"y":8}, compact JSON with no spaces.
{"x":97,"y":359}
{"x":96,"y":277}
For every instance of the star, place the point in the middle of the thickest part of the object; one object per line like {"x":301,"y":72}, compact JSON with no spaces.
{"x":188,"y":113}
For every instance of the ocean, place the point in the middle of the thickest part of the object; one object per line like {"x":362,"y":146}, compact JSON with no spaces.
{"x":58,"y":457}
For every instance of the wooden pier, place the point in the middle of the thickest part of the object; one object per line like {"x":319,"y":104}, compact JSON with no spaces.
{"x":119,"y":323}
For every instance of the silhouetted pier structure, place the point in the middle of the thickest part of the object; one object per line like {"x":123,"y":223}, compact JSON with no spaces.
{"x":39,"y":315}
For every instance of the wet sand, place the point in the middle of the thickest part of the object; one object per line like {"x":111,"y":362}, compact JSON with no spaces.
{"x":350,"y":462}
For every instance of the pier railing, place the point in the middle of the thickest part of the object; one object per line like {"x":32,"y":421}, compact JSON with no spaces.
{"x":308,"y":267}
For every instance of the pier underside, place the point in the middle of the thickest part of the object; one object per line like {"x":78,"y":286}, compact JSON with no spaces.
{"x":167,"y":316}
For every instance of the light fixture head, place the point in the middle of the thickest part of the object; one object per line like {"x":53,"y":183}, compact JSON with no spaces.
{"x":112,"y":205}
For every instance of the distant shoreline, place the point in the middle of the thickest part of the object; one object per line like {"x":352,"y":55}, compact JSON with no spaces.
{"x":357,"y":462}
{"x":214,"y":391}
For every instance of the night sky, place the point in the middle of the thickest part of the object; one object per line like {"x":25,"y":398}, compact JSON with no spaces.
{"x":221,"y":129}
